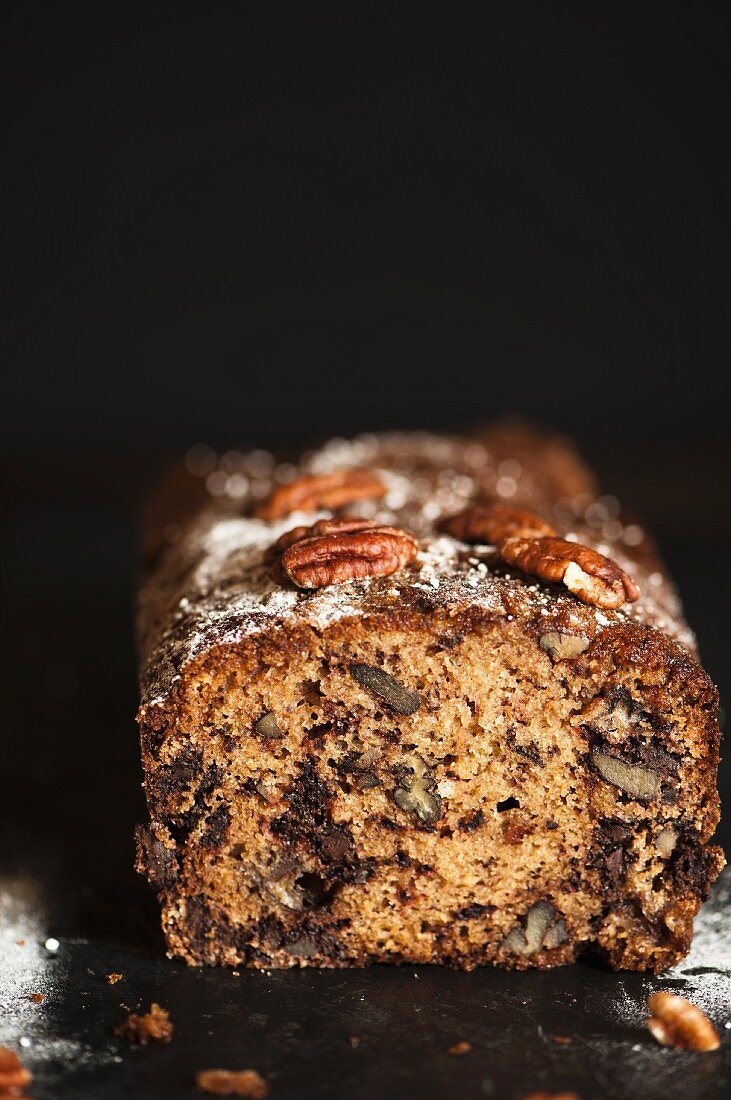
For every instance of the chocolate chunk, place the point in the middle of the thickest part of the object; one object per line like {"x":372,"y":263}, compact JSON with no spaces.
{"x":612,"y":837}
{"x":470,"y":912}
{"x":688,"y":865}
{"x":470,"y":822}
{"x":358,"y":765}
{"x":169,"y":782}
{"x":154,"y":860}
{"x":216,"y":828}
{"x":307,"y":827}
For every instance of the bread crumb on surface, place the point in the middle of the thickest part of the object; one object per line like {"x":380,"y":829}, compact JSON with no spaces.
{"x":232,"y":1082}
{"x":13,"y":1074}
{"x":155,"y":1026}
{"x":675,"y":1022}
{"x":551,"y":1096}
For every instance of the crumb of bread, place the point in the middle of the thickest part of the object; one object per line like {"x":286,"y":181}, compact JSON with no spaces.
{"x":155,"y":1026}
{"x":13,"y":1074}
{"x":230,"y":1082}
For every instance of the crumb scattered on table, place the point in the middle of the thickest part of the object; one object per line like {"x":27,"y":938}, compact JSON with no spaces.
{"x":675,"y":1022}
{"x":231,"y":1082}
{"x":551,"y":1096}
{"x":354,"y":1041}
{"x":154,"y":1026}
{"x":462,"y":1047}
{"x":13,"y":1074}
{"x":565,"y":1040}
{"x":114,"y":978}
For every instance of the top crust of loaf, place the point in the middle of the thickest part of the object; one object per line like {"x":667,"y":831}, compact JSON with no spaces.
{"x":207,"y":583}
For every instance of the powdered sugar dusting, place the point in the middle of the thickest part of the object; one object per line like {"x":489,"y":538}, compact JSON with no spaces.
{"x":215,"y":587}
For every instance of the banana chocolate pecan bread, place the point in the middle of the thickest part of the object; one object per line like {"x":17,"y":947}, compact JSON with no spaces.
{"x":419,"y":699}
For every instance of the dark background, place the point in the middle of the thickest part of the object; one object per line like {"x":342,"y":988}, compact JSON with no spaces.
{"x":249,"y":225}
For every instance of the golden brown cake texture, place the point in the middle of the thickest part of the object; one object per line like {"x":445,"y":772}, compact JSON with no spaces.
{"x":466,"y":726}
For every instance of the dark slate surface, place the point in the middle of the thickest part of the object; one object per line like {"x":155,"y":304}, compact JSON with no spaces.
{"x":578,"y":1028}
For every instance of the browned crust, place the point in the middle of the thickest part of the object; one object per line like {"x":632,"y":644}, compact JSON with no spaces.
{"x":652,"y":639}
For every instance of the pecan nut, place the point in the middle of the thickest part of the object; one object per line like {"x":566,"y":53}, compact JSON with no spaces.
{"x":590,"y":576}
{"x":542,"y":927}
{"x":675,"y":1022}
{"x":314,"y":491}
{"x":643,"y":784}
{"x":322,"y":527}
{"x":489,"y":523}
{"x":348,"y":555}
{"x":563,"y":647}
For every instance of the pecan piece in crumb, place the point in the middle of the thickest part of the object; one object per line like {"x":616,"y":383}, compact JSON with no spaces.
{"x":335,"y":559}
{"x":640,"y":783}
{"x":232,"y":1082}
{"x":675,"y":1022}
{"x":13,"y":1074}
{"x":314,"y":491}
{"x":544,"y":927}
{"x":379,"y":683}
{"x":489,"y":523}
{"x":155,"y":1026}
{"x":416,"y":792}
{"x":562,"y":647}
{"x":590,"y":576}
{"x":462,"y":1047}
{"x":666,"y":840}
{"x":268,"y":728}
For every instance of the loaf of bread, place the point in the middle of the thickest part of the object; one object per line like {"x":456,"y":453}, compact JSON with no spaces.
{"x":419,"y":699}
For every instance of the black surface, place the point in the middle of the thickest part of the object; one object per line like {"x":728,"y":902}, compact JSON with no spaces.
{"x":247,"y":226}
{"x":240,"y":220}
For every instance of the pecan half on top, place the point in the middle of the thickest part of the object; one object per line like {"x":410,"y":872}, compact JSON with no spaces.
{"x":313,"y":491}
{"x":346,"y":556}
{"x":489,"y":523}
{"x":322,"y":527}
{"x":590,"y":576}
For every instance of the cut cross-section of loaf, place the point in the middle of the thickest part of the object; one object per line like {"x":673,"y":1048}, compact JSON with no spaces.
{"x":368,"y":747}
